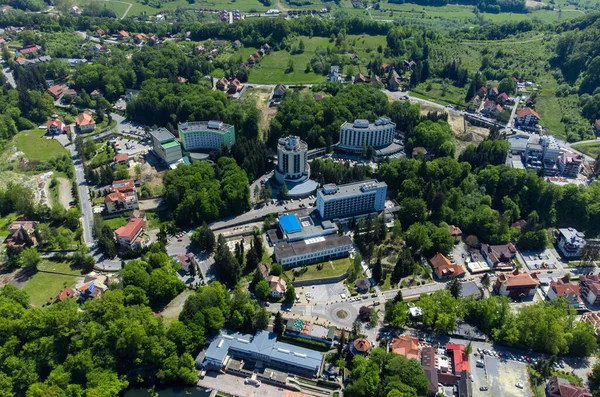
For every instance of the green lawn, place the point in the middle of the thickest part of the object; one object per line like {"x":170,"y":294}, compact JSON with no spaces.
{"x":387,"y":283}
{"x":5,"y":221}
{"x":117,"y":222}
{"x":36,"y":146}
{"x":59,"y":266}
{"x":592,"y":149}
{"x":336,"y":268}
{"x":272,"y":68}
{"x":44,"y":286}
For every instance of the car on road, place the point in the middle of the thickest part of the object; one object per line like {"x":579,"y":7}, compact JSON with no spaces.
{"x":519,"y":385}
{"x":180,"y":239}
{"x":483,"y":388}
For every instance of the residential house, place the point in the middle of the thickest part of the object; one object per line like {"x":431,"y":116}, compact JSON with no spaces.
{"x":559,"y":387}
{"x":266,"y":48}
{"x":222,"y":84}
{"x":454,"y":231}
{"x":55,"y":127}
{"x":100,"y":32}
{"x":527,"y":117}
{"x":360,"y":78}
{"x":65,"y":294}
{"x":589,"y":288}
{"x":96,"y":94}
{"x":251,"y":60}
{"x":597,"y":127}
{"x":122,"y":197}
{"x":85,"y":122}
{"x":139,"y":38}
{"x":200,"y":49}
{"x":499,"y":256}
{"x":122,"y":35}
{"x":394,"y":81}
{"x":5,"y":9}
{"x":408,"y":65}
{"x":235,"y":86}
{"x":89,"y":290}
{"x":569,"y":164}
{"x":460,"y":359}
{"x":131,"y":236}
{"x":482,"y":92}
{"x":407,"y":346}
{"x":354,"y":58}
{"x":386,"y":67}
{"x":277,"y":285}
{"x":264,"y":269}
{"x":444,"y":269}
{"x":55,"y":91}
{"x":564,"y":289}
{"x":96,"y":48}
{"x":219,"y":43}
{"x":21,"y":234}
{"x":488,"y":106}
{"x":71,"y":92}
{"x":362,"y":285}
{"x":278,"y":92}
{"x":186,"y":261}
{"x":492,"y":92}
{"x":502,"y":98}
{"x":375,"y":79}
{"x":593,"y":318}
{"x":334,"y":74}
{"x":516,"y":284}
{"x":121,"y":158}
{"x":360,"y":346}
{"x":28,"y":50}
{"x":76,"y":10}
{"x":570,"y":242}
{"x":237,"y":44}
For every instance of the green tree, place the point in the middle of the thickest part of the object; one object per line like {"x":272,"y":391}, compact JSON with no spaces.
{"x":290,"y":294}
{"x":262,"y":290}
{"x":29,"y":258}
{"x":278,"y":326}
{"x":454,"y":286}
{"x":276,"y":269}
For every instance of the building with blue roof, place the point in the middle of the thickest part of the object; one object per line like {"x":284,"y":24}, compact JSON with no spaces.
{"x":262,"y":347}
{"x":289,"y":224}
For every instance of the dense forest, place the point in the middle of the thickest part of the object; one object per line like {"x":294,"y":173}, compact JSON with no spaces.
{"x":200,"y":193}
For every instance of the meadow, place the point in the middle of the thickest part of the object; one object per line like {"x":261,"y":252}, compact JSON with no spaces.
{"x":592,"y":149}
{"x":36,"y":146}
{"x":272,"y":68}
{"x":42,"y":287}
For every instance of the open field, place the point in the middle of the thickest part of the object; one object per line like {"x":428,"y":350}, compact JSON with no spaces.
{"x":592,"y":149}
{"x":117,"y":222}
{"x":44,"y":286}
{"x":36,"y":146}
{"x":333,"y":269}
{"x":272,"y":68}
{"x":61,"y":267}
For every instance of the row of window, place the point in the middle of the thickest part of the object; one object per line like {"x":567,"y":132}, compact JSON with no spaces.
{"x":367,"y":137}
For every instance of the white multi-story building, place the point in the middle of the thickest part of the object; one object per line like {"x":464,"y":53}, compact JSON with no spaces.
{"x":292,"y":162}
{"x":312,"y":250}
{"x":570,"y":242}
{"x":352,"y":199}
{"x":203,"y":135}
{"x":355,"y":137}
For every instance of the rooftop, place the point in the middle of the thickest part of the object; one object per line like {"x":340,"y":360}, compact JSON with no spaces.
{"x":526,"y":112}
{"x":444,"y":268}
{"x":287,"y":250}
{"x":289,"y":223}
{"x":407,"y":346}
{"x":381,"y":122}
{"x":517,"y":279}
{"x":212,"y":125}
{"x":333,"y":191}
{"x":131,"y":228}
{"x":162,"y":134}
{"x":85,"y":118}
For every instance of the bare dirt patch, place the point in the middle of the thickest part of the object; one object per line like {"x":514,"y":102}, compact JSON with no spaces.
{"x":172,"y":310}
{"x":64,"y":192}
{"x":262,"y":104}
{"x":534,"y":5}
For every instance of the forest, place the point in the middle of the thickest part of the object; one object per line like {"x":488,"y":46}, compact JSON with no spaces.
{"x":200,"y":193}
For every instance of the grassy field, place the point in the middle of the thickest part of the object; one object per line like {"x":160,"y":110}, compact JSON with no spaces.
{"x":336,"y":268}
{"x":115,"y":223}
{"x":36,"y":146}
{"x":4,"y":222}
{"x":272,"y":68}
{"x":592,"y":149}
{"x":59,"y":266}
{"x":549,"y":108}
{"x":44,"y":286}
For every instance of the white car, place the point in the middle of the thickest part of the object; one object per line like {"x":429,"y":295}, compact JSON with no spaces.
{"x":519,"y":385}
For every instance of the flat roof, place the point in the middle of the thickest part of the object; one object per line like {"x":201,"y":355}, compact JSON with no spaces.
{"x":288,"y":250}
{"x":332,"y":191}
{"x":209,"y":126}
{"x":169,"y":145}
{"x":289,"y":223}
{"x":162,"y":134}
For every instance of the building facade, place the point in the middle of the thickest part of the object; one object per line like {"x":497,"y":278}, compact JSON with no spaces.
{"x":516,"y":284}
{"x":292,"y":164}
{"x":334,"y":202}
{"x":206,"y":135}
{"x":165,"y":146}
{"x":356,"y":136}
{"x":312,"y":250}
{"x":131,"y":236}
{"x":589,"y":289}
{"x":122,"y":197}
{"x":570,"y":242}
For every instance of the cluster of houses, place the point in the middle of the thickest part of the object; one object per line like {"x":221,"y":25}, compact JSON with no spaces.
{"x":255,"y":58}
{"x":489,"y":102}
{"x":123,"y":35}
{"x":236,"y":15}
{"x":389,"y":76}
{"x":84,"y":123}
{"x":231,"y":86}
{"x":93,"y":286}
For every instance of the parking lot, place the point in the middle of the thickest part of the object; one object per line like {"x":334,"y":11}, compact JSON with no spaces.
{"x":130,"y":145}
{"x":539,"y":260}
{"x":323,"y":293}
{"x":500,"y":376}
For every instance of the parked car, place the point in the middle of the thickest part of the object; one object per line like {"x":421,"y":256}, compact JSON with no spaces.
{"x":519,"y":385}
{"x":483,"y":388}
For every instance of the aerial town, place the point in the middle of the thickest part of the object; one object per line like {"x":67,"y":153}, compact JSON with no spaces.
{"x":299,"y":198}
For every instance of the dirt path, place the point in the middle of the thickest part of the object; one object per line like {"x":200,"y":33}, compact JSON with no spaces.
{"x":64,"y":192}
{"x":172,"y":310}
